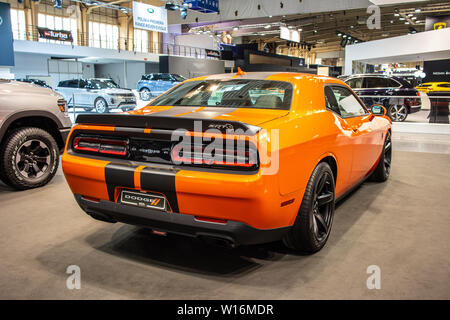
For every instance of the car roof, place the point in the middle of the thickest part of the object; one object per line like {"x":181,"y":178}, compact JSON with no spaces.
{"x":266,"y":75}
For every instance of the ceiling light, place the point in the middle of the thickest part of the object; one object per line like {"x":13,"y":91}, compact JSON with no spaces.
{"x":262,"y":34}
{"x":290,"y":27}
{"x":300,"y":30}
{"x":418,"y":10}
{"x":235,"y":28}
{"x":406,"y":22}
{"x":402,"y":18}
{"x":268,"y":26}
{"x":351,"y":27}
{"x":413,"y":18}
{"x":410,"y":15}
{"x":344,"y":36}
{"x":392,"y":21}
{"x":396,"y":14}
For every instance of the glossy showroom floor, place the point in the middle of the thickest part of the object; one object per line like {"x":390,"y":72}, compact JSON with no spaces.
{"x":401,"y":226}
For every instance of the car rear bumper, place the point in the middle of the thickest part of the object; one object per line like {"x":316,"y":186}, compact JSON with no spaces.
{"x":232,"y":232}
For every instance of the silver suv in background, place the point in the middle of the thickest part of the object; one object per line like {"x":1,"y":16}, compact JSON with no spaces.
{"x":99,"y":95}
{"x":33,"y":129}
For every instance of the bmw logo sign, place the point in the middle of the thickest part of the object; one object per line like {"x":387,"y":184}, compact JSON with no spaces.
{"x":150,"y":10}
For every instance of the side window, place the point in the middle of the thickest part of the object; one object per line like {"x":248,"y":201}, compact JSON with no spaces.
{"x":83,"y":84}
{"x":444,"y":85}
{"x":72,"y":83}
{"x":166,"y":77}
{"x":355,"y":83}
{"x":330,"y":101}
{"x":347,"y":103}
{"x":392,"y":83}
{"x":376,"y":82}
{"x":156,"y":77}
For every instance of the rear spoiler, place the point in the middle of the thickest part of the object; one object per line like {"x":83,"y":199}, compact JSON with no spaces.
{"x":166,"y":123}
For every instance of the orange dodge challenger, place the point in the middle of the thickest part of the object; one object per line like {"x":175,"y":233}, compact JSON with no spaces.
{"x":240,"y":158}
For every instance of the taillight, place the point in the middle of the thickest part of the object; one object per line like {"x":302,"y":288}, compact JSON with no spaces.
{"x":418,"y":93}
{"x":201,"y":155}
{"x":100,"y":145}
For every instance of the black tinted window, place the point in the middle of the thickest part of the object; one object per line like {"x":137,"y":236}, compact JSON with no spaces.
{"x":166,"y":77}
{"x":355,"y":83}
{"x":69,"y":84}
{"x":156,"y":77}
{"x":444,"y":85}
{"x":376,"y":82}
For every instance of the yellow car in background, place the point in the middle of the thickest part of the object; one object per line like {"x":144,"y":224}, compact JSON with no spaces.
{"x":434,"y":87}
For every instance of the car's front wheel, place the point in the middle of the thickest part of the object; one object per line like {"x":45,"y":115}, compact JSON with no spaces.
{"x":100,"y":105}
{"x":145,"y":94}
{"x":383,"y":169}
{"x":313,"y":223}
{"x":29,"y":158}
{"x":398,"y":113}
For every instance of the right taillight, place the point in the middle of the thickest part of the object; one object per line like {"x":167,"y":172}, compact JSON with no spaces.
{"x":247,"y":158}
{"x":101,"y":145}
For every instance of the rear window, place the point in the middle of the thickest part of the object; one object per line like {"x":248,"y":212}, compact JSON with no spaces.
{"x":260,"y":94}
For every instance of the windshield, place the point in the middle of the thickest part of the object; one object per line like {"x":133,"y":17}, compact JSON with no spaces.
{"x":261,"y":94}
{"x":102,"y":84}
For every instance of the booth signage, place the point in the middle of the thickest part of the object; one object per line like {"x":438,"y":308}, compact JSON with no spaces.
{"x":212,"y":53}
{"x":60,"y":35}
{"x":436,"y":23}
{"x":149,"y":17}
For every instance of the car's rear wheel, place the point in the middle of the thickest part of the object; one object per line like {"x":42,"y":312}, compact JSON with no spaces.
{"x":383,"y":169}
{"x":100,"y":105}
{"x":29,"y":158}
{"x":398,"y":113}
{"x":145,"y":94}
{"x":314,"y":220}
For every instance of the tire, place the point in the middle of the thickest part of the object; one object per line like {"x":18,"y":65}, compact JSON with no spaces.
{"x":145,"y":94}
{"x":398,"y":113}
{"x":101,"y":106}
{"x":313,"y":223}
{"x":383,"y":169}
{"x":29,"y":158}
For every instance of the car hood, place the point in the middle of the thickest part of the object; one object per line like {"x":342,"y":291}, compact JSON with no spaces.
{"x":116,"y":91}
{"x":246,"y":115}
{"x":17,"y":87}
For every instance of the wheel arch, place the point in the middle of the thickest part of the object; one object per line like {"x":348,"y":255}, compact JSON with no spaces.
{"x":39,"y":119}
{"x":331,"y":160}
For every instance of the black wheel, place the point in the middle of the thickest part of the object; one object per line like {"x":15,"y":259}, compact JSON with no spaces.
{"x":29,"y":158}
{"x":315,"y":217}
{"x":383,"y":169}
{"x":398,"y":113}
{"x":145,"y":94}
{"x":101,"y":106}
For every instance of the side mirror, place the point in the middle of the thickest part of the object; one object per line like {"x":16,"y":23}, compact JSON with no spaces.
{"x":378,"y":110}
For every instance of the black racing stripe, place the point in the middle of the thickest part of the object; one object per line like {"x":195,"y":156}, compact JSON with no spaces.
{"x":118,"y":175}
{"x":161,"y":180}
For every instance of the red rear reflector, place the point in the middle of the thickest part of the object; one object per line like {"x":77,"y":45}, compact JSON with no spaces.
{"x":159,"y":233}
{"x":212,"y":220}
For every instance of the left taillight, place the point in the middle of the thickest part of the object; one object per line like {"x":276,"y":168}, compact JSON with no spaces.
{"x":118,"y":147}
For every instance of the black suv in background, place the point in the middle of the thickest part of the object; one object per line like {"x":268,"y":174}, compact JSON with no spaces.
{"x":397,"y":95}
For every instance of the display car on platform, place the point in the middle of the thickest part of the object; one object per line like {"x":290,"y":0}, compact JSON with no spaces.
{"x":240,"y":158}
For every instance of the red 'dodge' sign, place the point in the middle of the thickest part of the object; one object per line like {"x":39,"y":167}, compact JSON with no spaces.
{"x":60,"y":35}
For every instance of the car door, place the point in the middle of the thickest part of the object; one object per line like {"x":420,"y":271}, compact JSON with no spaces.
{"x":358,"y":124}
{"x":85,"y":96}
{"x":167,"y":82}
